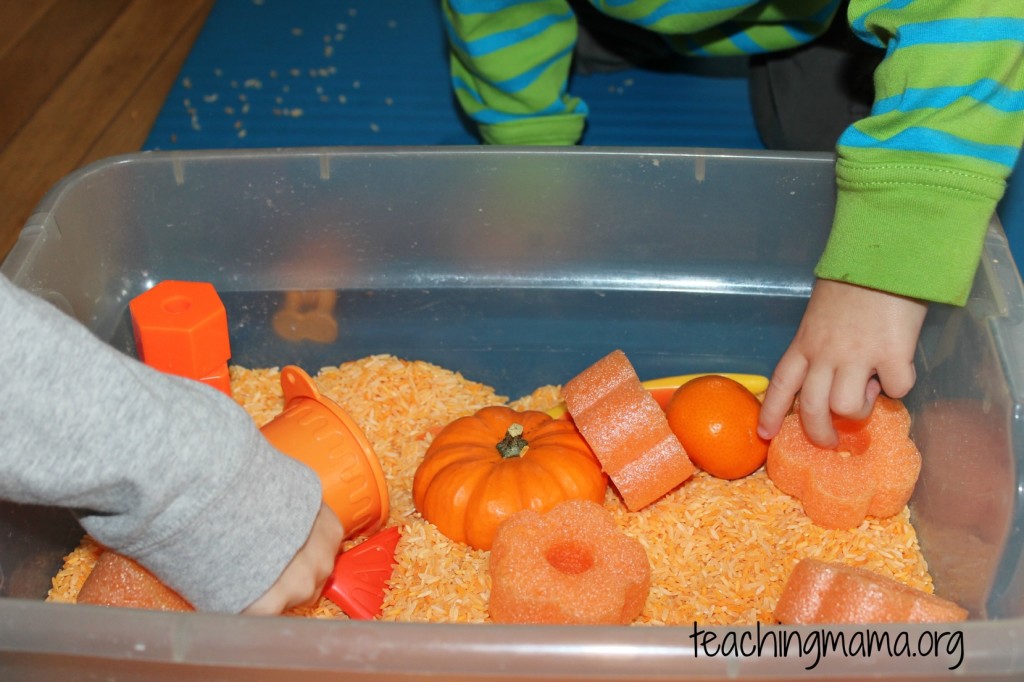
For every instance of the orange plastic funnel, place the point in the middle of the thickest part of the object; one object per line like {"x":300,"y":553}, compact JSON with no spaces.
{"x":362,"y":573}
{"x":316,"y":431}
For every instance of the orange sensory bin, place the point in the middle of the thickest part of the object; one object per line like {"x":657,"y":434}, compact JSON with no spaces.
{"x":871,"y":472}
{"x":627,"y":430}
{"x":571,"y":565}
{"x":832,"y":593}
{"x":182,"y":328}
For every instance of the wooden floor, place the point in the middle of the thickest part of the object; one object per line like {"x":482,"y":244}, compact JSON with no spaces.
{"x":81,"y":80}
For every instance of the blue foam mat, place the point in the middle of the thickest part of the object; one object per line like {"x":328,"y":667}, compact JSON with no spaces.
{"x":298,"y":73}
{"x":274,"y":73}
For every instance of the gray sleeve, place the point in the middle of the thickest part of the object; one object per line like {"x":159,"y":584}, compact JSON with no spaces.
{"x":165,"y":470}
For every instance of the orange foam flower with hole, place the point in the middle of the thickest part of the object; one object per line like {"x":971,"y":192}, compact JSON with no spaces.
{"x":571,"y":565}
{"x":871,"y":472}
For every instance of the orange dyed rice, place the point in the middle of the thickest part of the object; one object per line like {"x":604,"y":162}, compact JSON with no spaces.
{"x":720,"y":551}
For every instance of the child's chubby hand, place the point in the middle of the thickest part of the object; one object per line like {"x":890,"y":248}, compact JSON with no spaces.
{"x":852,"y":343}
{"x":303,"y":579}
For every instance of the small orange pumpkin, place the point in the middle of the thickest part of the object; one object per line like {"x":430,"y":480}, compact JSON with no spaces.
{"x":483,"y":468}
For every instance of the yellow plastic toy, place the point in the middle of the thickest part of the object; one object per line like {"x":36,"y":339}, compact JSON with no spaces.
{"x":662,"y":388}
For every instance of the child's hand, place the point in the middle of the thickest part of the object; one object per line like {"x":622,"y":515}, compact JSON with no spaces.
{"x":852,"y":343}
{"x":303,"y":579}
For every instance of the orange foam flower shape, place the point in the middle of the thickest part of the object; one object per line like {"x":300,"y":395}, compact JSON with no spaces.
{"x":570,"y":565}
{"x":871,"y":472}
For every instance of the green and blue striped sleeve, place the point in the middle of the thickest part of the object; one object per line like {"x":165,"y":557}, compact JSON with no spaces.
{"x":918,"y":180}
{"x":510,"y":62}
{"x":725,"y":28}
{"x":510,"y":59}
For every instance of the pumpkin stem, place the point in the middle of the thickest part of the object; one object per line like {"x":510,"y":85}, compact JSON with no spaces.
{"x":513,"y":444}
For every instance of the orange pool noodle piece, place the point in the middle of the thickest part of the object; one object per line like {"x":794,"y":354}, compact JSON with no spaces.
{"x":117,"y":580}
{"x":181,"y":328}
{"x":627,"y":430}
{"x":818,"y":592}
{"x":872,"y":472}
{"x":571,"y":565}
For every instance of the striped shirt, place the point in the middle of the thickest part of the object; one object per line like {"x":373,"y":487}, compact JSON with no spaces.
{"x":918,"y":179}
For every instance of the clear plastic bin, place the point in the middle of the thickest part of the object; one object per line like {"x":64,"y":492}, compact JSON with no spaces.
{"x":517,"y":268}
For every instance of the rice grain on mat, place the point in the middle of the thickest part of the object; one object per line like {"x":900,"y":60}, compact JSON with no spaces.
{"x":720,"y":551}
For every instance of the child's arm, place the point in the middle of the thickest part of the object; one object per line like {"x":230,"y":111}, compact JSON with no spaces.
{"x":918,"y":181}
{"x":165,"y":470}
{"x":850,"y":340}
{"x":303,"y":579}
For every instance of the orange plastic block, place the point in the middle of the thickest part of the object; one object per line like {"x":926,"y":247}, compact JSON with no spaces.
{"x":872,"y":472}
{"x":117,"y":580}
{"x":831,"y":593}
{"x":362,"y":574}
{"x":220,"y":379}
{"x":571,"y":565}
{"x":182,"y":328}
{"x":627,"y":430}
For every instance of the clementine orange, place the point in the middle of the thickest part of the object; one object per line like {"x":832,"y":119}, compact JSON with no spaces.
{"x":715,"y":418}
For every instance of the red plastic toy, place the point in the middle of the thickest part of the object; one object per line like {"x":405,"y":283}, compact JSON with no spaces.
{"x":182,"y":328}
{"x":362,"y":573}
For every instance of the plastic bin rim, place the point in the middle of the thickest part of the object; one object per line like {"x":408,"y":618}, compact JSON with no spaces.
{"x":16,"y":257}
{"x":186,"y":155}
{"x":151,"y":637}
{"x":458,"y":150}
